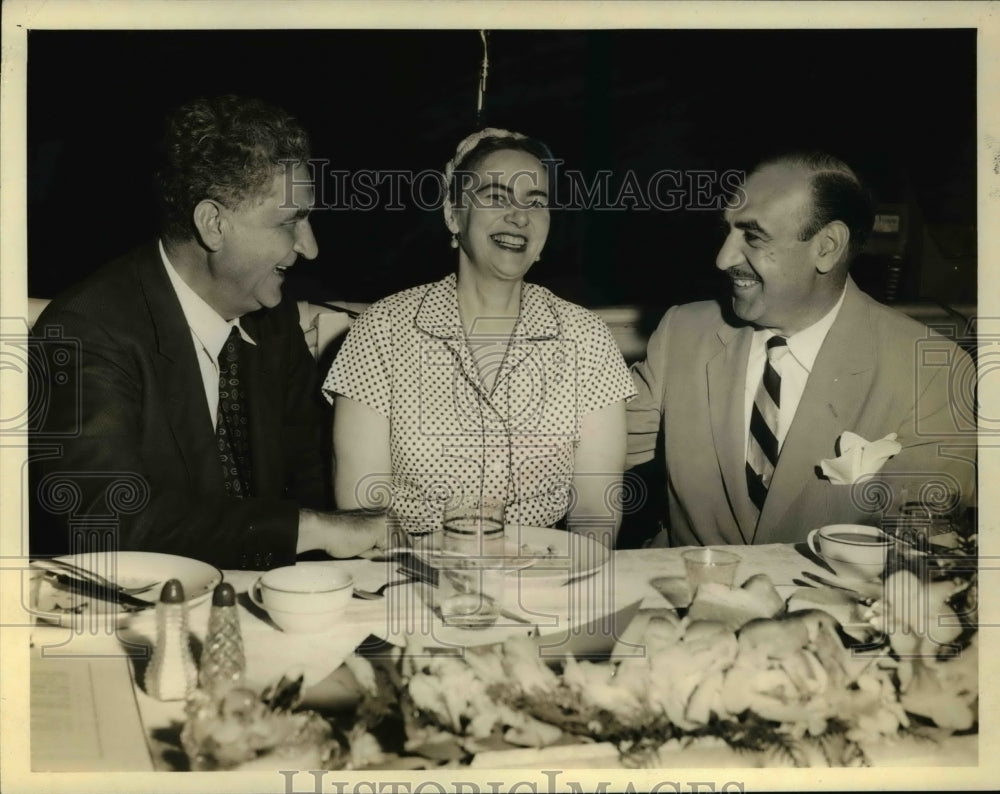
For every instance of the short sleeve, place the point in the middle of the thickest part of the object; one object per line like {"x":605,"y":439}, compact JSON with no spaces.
{"x":362,"y":369}
{"x":604,"y":376}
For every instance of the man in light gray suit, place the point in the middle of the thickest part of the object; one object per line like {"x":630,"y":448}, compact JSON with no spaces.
{"x":747,"y":400}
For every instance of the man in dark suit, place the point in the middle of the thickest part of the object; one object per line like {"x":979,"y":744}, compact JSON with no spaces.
{"x":184,"y":418}
{"x":749,"y":400}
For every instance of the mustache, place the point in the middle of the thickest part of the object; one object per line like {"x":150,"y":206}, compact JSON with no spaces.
{"x":738,"y":272}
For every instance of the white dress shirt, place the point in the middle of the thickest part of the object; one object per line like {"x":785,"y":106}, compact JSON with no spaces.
{"x":209,"y":333}
{"x":794,"y":368}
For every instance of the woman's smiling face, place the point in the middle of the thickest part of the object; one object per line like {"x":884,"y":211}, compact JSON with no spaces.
{"x":502,"y":214}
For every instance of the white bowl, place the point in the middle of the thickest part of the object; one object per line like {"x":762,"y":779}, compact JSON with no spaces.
{"x":305,"y":588}
{"x":58,"y":603}
{"x":302,"y":622}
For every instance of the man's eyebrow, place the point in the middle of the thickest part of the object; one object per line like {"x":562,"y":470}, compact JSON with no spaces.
{"x":751,"y":226}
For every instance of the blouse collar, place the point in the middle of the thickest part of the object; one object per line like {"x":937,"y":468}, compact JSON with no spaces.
{"x":438,"y":313}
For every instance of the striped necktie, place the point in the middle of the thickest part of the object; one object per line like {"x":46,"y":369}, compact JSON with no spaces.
{"x":231,"y":432}
{"x":762,"y":445}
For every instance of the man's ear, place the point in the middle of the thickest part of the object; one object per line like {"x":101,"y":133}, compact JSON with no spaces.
{"x":209,"y":222}
{"x":831,"y":245}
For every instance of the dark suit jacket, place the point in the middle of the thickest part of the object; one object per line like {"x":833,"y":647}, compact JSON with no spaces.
{"x":878,"y":372}
{"x":123,"y":441}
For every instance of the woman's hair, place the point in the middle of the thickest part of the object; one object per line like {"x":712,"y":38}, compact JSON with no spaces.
{"x":227,"y":148}
{"x":475,"y":148}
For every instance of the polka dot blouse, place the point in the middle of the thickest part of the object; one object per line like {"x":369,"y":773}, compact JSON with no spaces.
{"x":407,"y":358}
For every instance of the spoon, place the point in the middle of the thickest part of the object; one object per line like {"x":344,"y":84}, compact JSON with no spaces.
{"x":375,"y":595}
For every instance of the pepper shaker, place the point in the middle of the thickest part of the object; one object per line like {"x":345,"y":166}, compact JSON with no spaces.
{"x":171,"y":674}
{"x":222,"y":660}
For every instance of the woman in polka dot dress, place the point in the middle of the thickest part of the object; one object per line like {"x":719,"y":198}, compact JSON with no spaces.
{"x":481,"y":386}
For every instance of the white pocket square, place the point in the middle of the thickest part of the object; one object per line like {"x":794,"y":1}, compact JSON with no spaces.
{"x":858,"y":458}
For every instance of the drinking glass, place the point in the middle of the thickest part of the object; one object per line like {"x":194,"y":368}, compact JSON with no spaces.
{"x":472,"y":580}
{"x":471,"y":598}
{"x":710,"y":565}
{"x":474,"y":528}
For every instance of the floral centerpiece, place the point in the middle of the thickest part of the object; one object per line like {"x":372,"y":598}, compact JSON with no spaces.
{"x":238,"y":729}
{"x":739,"y":669}
{"x":791,"y":685}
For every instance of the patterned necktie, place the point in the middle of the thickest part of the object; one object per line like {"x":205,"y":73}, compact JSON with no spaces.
{"x":763,"y":446}
{"x":231,"y":431}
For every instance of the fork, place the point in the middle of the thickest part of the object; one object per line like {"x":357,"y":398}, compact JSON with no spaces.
{"x":89,"y":575}
{"x":90,"y":588}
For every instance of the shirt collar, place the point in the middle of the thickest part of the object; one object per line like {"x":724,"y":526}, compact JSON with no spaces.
{"x":438,"y":312}
{"x":205,"y":322}
{"x":804,"y":346}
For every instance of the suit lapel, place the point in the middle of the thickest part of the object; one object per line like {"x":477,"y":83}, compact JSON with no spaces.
{"x":834,"y":394}
{"x":262,"y":408}
{"x":726,"y":373}
{"x":177,"y":373}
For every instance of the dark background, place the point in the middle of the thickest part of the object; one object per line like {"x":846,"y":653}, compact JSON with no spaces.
{"x":898,"y":105}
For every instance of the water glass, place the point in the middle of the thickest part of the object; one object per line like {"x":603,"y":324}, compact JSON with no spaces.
{"x":710,"y":565}
{"x":471,"y":598}
{"x":474,"y":528}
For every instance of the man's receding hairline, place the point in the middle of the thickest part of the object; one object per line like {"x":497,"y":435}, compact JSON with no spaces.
{"x":801,"y":163}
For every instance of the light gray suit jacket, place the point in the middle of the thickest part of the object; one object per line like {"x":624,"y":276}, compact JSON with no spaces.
{"x":878,"y":372}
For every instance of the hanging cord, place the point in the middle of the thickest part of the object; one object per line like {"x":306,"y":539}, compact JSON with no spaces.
{"x":505,"y":423}
{"x":483,"y":70}
{"x":482,"y":449}
{"x":510,"y":489}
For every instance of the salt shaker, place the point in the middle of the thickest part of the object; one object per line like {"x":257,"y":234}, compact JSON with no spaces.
{"x":222,"y":659}
{"x":171,"y":674}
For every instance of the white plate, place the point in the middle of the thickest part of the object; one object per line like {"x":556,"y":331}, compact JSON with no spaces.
{"x":57,"y":603}
{"x":541,"y":554}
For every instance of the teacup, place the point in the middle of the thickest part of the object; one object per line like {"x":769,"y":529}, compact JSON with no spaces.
{"x":854,"y":551}
{"x":308,"y":596}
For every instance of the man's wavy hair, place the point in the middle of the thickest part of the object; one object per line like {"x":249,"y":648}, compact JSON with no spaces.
{"x":837,"y":194}
{"x":225,"y":148}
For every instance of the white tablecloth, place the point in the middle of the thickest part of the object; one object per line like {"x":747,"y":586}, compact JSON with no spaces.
{"x":626,"y":581}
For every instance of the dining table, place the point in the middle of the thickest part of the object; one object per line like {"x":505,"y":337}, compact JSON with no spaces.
{"x":90,"y":711}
